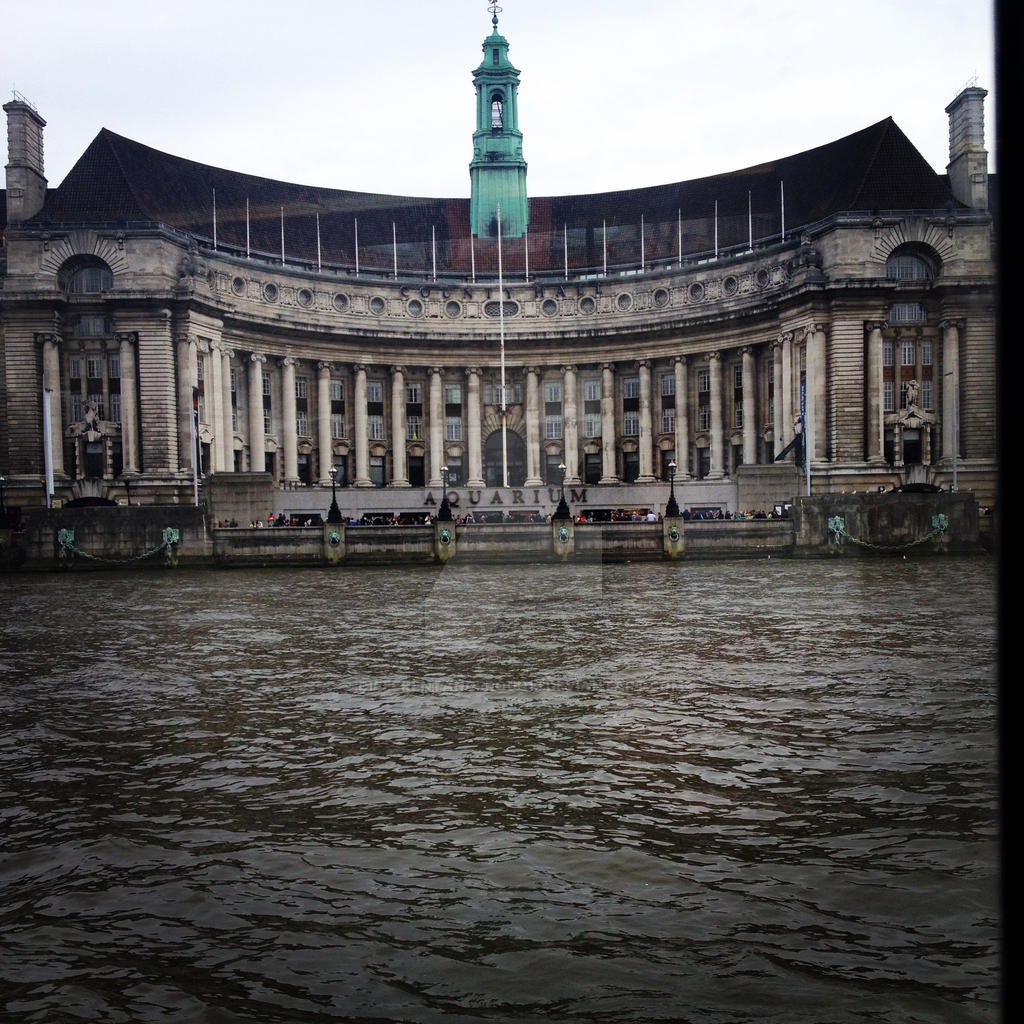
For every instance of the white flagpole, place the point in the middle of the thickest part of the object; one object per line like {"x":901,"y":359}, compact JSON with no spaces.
{"x":357,"y":246}
{"x":680,"y":230}
{"x":394,"y":247}
{"x":527,"y":251}
{"x":472,"y":258}
{"x":282,"y":236}
{"x":782,"y":204}
{"x":565,"y":247}
{"x":319,"y":264}
{"x":501,"y":322}
{"x":642,"y":260}
{"x":247,"y":249}
{"x":433,"y":251}
{"x":604,"y":244}
{"x":716,"y":229}
{"x":215,"y":218}
{"x":750,"y":223}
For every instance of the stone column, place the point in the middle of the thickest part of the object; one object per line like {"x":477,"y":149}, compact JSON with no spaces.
{"x":361,"y":437}
{"x":257,"y":435}
{"x":749,"y":408}
{"x":226,"y":430}
{"x":437,"y":459}
{"x":682,"y":419}
{"x":646,"y":439}
{"x":717,"y":470}
{"x":608,"y":474}
{"x":214,"y":399}
{"x":874,"y":428}
{"x":399,"y":475}
{"x":816,"y":399}
{"x":187,"y":372}
{"x":951,"y":411}
{"x":778,"y":416}
{"x":473,"y":428}
{"x":129,"y":402}
{"x":788,"y":416}
{"x":289,"y":431}
{"x":51,"y":382}
{"x":570,"y":426}
{"x":533,"y":478}
{"x":325,"y":438}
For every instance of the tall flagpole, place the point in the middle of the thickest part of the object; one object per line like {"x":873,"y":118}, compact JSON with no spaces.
{"x":604,"y":244}
{"x":716,"y":229}
{"x":357,"y":246}
{"x":394,"y":247}
{"x":282,"y":236}
{"x":642,"y":260}
{"x":782,"y":206}
{"x":750,"y":222}
{"x":501,"y":323}
{"x":433,"y":252}
{"x":247,"y":250}
{"x":215,"y":218}
{"x":319,"y":265}
{"x":679,"y":216}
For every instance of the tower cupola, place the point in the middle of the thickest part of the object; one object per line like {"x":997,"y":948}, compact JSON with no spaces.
{"x":497,"y":172}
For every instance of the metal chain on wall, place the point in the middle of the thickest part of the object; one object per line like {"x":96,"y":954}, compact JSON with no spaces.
{"x":169,"y":540}
{"x":838,"y":534}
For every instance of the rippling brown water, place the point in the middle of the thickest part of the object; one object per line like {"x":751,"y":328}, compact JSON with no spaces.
{"x":708,"y":793}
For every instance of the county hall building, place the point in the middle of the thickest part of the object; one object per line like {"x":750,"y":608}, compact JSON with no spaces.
{"x":822,"y":322}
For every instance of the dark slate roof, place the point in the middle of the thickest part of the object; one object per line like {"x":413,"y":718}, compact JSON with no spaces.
{"x":119,"y":181}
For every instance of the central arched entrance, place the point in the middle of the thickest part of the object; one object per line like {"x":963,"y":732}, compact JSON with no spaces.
{"x":516,"y":459}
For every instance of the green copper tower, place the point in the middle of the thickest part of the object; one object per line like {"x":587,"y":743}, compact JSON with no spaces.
{"x":498,"y":171}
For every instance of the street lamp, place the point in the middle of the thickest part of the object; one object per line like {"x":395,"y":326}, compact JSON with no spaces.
{"x":3,"y":507}
{"x":672,"y":508}
{"x":334,"y":514}
{"x":562,"y":512}
{"x":955,"y":439}
{"x":444,"y":512}
{"x":127,"y":487}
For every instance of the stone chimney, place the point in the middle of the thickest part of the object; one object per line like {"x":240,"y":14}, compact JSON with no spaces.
{"x":26,"y":186}
{"x":968,"y":158}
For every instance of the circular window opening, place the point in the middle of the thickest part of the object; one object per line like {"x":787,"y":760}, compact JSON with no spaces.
{"x":305,"y":297}
{"x":453,"y":308}
{"x":624,"y":301}
{"x":377,"y":305}
{"x":415,"y":307}
{"x":763,"y":278}
{"x":549,"y":307}
{"x":661,"y":297}
{"x":494,"y":308}
{"x":238,"y":286}
{"x":730,"y":286}
{"x":270,"y":292}
{"x":340,"y":302}
{"x":696,"y":292}
{"x":588,"y":304}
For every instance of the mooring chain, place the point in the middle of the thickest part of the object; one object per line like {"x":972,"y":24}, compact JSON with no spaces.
{"x":170,"y":537}
{"x":837,"y":529}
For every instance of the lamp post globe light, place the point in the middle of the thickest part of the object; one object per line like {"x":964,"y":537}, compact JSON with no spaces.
{"x":444,"y":512}
{"x":334,"y":514}
{"x":672,"y":508}
{"x":3,"y":507}
{"x":562,"y":512}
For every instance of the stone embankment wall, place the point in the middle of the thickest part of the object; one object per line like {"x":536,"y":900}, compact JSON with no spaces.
{"x":823,"y":526}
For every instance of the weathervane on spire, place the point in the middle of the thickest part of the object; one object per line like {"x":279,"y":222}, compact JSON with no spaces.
{"x":495,"y":11}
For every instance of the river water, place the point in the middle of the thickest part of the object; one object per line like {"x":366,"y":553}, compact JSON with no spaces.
{"x":725,"y":792}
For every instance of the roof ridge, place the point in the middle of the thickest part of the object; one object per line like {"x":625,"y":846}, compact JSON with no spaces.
{"x":888,"y":124}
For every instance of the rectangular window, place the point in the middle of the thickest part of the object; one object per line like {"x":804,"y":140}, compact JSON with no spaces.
{"x":114,"y":367}
{"x":374,"y":391}
{"x":266,"y":386}
{"x":115,"y":407}
{"x":704,"y":417}
{"x":906,"y":313}
{"x":737,"y":378}
{"x":94,"y":367}
{"x":903,"y":394}
{"x":591,"y":391}
{"x":97,"y":400}
{"x":552,"y":426}
{"x":631,"y":387}
{"x":668,"y":383}
{"x":631,"y":424}
{"x":302,"y":424}
{"x":739,"y":415}
{"x":375,"y":427}
{"x":75,"y":371}
{"x":703,"y":380}
{"x":455,"y":471}
{"x":337,"y":390}
{"x":234,"y":419}
{"x":927,"y":352}
{"x":926,"y":395}
{"x":668,"y":421}
{"x":908,"y":353}
{"x":301,"y":385}
{"x":888,"y":353}
{"x":592,"y":425}
{"x":453,"y":428}
{"x":266,"y":422}
{"x":453,"y":394}
{"x":888,"y":395}
{"x":337,"y":424}
{"x":414,"y":428}
{"x":200,"y":367}
{"x":377,"y":470}
{"x":76,"y":408}
{"x":414,"y":393}
{"x":553,"y":392}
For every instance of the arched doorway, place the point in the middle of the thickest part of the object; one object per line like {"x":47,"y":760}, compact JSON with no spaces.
{"x":516,"y":459}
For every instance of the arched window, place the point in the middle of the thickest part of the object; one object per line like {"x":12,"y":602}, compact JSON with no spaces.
{"x":907,"y":265}
{"x":85,"y":275}
{"x":497,"y":112}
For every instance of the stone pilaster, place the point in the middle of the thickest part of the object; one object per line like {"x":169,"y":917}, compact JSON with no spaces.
{"x":646,"y":475}
{"x":473,"y":428}
{"x":226,"y":428}
{"x":749,"y":408}
{"x":608,"y":466}
{"x":533,"y":477}
{"x":325,"y":439}
{"x":399,"y":475}
{"x":257,"y":435}
{"x":570,"y":425}
{"x":437,"y":459}
{"x":874,"y":429}
{"x":717,"y":470}
{"x":289,"y":431}
{"x":361,"y":438}
{"x":816,"y":393}
{"x":51,"y":383}
{"x":952,"y":412}
{"x":778,"y":416}
{"x":788,"y":382}
{"x":187,"y":375}
{"x":126,"y":342}
{"x":682,"y":419}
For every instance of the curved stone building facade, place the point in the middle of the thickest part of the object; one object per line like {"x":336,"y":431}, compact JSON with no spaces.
{"x":163,"y":321}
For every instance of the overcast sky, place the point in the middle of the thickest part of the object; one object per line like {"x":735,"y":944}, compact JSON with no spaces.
{"x":377,"y":95}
